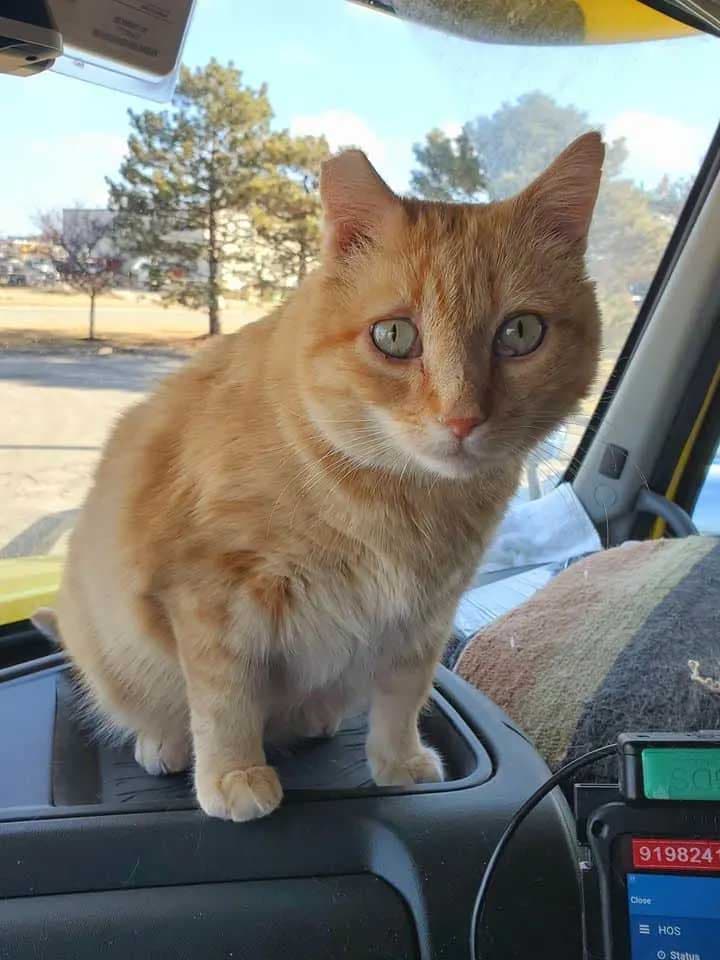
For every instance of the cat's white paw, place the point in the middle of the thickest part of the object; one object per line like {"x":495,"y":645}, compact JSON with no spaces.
{"x":425,"y":766}
{"x":160,"y":757}
{"x":240,"y":794}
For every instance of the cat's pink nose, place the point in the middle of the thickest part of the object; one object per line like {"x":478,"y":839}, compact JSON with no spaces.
{"x":463,"y":426}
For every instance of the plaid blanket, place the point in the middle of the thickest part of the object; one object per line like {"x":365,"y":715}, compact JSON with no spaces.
{"x":627,"y":639}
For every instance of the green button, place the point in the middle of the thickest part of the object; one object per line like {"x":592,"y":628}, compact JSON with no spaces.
{"x":674,"y":773}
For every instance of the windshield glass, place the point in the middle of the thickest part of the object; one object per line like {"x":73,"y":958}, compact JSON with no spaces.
{"x":99,"y":298}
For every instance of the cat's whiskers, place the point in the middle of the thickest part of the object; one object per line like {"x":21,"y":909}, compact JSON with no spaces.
{"x":551,"y":457}
{"x":407,"y":463}
{"x":575,"y":460}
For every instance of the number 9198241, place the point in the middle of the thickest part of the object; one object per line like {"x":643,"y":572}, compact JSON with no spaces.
{"x":698,"y":855}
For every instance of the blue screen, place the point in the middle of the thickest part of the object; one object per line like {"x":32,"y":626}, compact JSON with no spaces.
{"x":674,"y":918}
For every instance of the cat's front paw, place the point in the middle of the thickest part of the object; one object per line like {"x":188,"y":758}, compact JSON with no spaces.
{"x":240,"y":794}
{"x":162,"y":756}
{"x":425,"y":766}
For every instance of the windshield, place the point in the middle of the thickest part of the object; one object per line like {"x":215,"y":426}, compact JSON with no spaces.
{"x":101,"y":296}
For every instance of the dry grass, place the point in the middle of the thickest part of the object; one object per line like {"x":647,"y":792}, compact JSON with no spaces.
{"x":58,"y":341}
{"x":37,"y":319}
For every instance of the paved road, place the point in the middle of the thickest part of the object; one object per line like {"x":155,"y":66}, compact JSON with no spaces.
{"x":55,"y":412}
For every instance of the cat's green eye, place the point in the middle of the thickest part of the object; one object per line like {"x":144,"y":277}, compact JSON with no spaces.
{"x":397,"y":338}
{"x":519,"y":335}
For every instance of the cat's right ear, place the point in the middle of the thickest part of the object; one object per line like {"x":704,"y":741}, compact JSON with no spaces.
{"x":356,"y":202}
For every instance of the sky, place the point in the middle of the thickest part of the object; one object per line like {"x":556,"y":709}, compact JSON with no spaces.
{"x":364,"y":78}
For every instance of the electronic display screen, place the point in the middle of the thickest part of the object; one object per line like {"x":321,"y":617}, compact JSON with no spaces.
{"x":673,"y":917}
{"x":692,"y":856}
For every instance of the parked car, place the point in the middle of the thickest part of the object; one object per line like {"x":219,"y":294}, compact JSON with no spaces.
{"x":638,"y":292}
{"x":42,"y":273}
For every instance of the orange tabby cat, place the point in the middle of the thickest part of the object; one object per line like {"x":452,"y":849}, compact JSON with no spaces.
{"x":281,"y":532}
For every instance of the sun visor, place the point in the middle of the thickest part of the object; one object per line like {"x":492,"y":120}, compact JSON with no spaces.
{"x":555,"y":22}
{"x":129,"y":45}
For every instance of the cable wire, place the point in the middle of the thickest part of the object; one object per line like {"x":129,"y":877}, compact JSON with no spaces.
{"x":562,"y":774}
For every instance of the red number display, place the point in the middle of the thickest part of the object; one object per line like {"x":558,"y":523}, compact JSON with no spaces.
{"x":691,"y":855}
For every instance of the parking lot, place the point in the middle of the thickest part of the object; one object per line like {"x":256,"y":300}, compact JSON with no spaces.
{"x":59,"y":395}
{"x":56,"y":412}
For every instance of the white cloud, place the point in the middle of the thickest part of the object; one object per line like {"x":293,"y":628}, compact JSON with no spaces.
{"x":452,"y":128}
{"x":658,"y":144}
{"x":342,"y":128}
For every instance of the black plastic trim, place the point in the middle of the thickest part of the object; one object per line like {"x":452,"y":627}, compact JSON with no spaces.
{"x":21,"y":642}
{"x":429,"y":844}
{"x":305,"y":918}
{"x":672,"y":10}
{"x":53,"y":661}
{"x":33,"y":12}
{"x":483,"y":765}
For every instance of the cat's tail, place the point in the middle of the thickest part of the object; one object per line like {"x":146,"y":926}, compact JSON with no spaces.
{"x":45,"y":620}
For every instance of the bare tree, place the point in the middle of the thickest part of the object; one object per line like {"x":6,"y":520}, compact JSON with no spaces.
{"x":87,"y":257}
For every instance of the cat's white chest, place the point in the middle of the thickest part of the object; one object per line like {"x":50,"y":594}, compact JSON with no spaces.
{"x":336,"y":630}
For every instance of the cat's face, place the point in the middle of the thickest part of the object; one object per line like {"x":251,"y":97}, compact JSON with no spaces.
{"x":447,"y":337}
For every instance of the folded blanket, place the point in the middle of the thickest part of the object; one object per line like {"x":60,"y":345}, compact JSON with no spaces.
{"x":627,"y":639}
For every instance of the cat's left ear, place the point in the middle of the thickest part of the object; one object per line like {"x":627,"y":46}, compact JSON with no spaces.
{"x":357,"y":203}
{"x":563,"y":197}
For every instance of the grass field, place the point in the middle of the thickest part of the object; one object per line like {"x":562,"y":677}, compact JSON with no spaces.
{"x":35,"y":318}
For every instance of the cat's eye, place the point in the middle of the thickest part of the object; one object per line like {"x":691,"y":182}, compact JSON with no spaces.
{"x":519,"y":335}
{"x":397,"y":338}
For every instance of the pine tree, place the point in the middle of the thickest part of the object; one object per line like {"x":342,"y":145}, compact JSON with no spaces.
{"x":193,"y":183}
{"x":449,"y":168}
{"x":286,"y":216}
